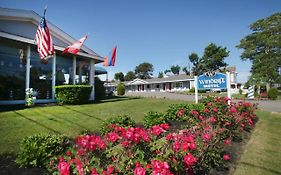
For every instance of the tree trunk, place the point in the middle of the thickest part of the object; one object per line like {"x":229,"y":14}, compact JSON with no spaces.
{"x":258,"y":89}
{"x":267,"y":87}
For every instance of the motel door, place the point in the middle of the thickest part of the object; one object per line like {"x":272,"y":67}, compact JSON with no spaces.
{"x":164,"y":86}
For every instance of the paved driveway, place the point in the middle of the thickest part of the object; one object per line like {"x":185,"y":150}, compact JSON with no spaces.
{"x":273,"y":106}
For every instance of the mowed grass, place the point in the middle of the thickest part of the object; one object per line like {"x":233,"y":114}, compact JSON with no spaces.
{"x":262,"y":154}
{"x":70,"y":120}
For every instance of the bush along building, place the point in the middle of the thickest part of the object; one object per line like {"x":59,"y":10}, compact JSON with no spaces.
{"x":21,"y":67}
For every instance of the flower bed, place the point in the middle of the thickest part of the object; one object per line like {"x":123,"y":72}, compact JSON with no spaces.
{"x":196,"y":147}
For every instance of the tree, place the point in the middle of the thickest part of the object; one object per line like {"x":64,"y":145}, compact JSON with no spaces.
{"x":167,"y":71}
{"x":263,"y":48}
{"x":119,"y":76}
{"x":144,"y":70}
{"x":187,"y":72}
{"x":175,"y":69}
{"x":212,"y":59}
{"x":130,"y":76}
{"x":160,"y":75}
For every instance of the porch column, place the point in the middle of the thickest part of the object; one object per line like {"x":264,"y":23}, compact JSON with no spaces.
{"x":74,"y":70}
{"x":92,"y":79}
{"x":54,"y":76}
{"x":27,"y":75}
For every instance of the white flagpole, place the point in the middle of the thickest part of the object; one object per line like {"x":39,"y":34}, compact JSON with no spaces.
{"x":196,"y":88}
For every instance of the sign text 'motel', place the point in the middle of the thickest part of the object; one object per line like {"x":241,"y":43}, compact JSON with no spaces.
{"x":215,"y":81}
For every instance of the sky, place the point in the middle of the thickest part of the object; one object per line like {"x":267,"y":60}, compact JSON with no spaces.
{"x":160,"y":32}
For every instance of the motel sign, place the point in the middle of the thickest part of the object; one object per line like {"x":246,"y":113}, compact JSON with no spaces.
{"x":212,"y":81}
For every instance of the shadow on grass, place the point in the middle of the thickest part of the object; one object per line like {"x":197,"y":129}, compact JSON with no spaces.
{"x":263,"y":168}
{"x":9,"y":167}
{"x":40,"y":124}
{"x":117,"y":98}
{"x":82,"y":113}
{"x":63,"y":118}
{"x":6,"y":108}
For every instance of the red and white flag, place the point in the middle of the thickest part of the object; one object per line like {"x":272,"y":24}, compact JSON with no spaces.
{"x":75,"y":47}
{"x":45,"y":46}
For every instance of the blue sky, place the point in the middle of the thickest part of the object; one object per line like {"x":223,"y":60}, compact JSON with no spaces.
{"x":161,"y":32}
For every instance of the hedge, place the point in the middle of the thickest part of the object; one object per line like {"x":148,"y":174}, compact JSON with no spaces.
{"x":73,"y":94}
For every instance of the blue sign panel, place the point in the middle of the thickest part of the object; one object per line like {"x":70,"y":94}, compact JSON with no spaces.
{"x":212,"y":81}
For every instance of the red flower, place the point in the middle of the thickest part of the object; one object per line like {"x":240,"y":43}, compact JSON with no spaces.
{"x":157,"y":130}
{"x":193,"y":112}
{"x":206,"y":137}
{"x":94,"y":172}
{"x":233,"y":110}
{"x":63,"y":168}
{"x":125,"y":144}
{"x":169,"y":137}
{"x":227,"y":141}
{"x":110,"y":169}
{"x":192,"y":146}
{"x":206,"y":110}
{"x":212,"y":119}
{"x":215,"y":109}
{"x":112,"y":137}
{"x":68,"y":153}
{"x":189,"y":160}
{"x":165,"y":126}
{"x":226,"y":157}
{"x":79,"y":167}
{"x":139,"y":171}
{"x":176,"y":146}
{"x":180,"y":112}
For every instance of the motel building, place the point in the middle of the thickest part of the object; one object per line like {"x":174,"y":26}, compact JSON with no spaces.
{"x":21,"y":67}
{"x":173,"y":83}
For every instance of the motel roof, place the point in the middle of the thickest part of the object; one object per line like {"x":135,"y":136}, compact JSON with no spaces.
{"x":13,"y":19}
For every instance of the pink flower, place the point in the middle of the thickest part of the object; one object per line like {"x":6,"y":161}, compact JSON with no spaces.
{"x":63,"y":168}
{"x":226,"y":157}
{"x":125,"y":144}
{"x":206,"y":110}
{"x":215,"y":109}
{"x":233,"y":110}
{"x":169,"y":137}
{"x":94,"y":172}
{"x":79,"y":167}
{"x":206,"y":137}
{"x":192,"y":146}
{"x":180,"y":112}
{"x":139,"y":171}
{"x":212,"y":119}
{"x":176,"y":146}
{"x":227,"y":123}
{"x":165,"y":126}
{"x":112,"y":136}
{"x":200,"y":117}
{"x":227,"y":141}
{"x":110,"y":169}
{"x":189,"y":160}
{"x":193,"y":112}
{"x":157,"y":130}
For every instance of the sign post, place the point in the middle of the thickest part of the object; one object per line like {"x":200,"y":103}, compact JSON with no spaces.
{"x":196,"y":89}
{"x":212,"y":80}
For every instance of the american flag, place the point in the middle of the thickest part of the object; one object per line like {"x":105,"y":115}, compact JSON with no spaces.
{"x":45,"y":46}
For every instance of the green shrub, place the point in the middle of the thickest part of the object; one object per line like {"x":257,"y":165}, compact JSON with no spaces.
{"x":153,"y":118}
{"x":39,"y":149}
{"x":124,"y":121}
{"x":73,"y":94}
{"x":121,"y":89}
{"x":99,"y":90}
{"x":192,"y":90}
{"x":273,"y":93}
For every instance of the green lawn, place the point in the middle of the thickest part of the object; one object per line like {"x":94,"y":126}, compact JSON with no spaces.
{"x":262,"y":154}
{"x":70,"y":120}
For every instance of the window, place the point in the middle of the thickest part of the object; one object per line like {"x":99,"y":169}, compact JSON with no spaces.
{"x":179,"y":84}
{"x":148,"y":86}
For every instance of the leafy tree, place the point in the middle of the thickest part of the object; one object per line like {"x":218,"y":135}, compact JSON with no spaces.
{"x":175,"y":69}
{"x":119,"y":76}
{"x":263,"y":48}
{"x":160,"y":75}
{"x":212,"y":59}
{"x":144,"y":70}
{"x":130,"y":76}
{"x":187,"y":72}
{"x":167,"y":71}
